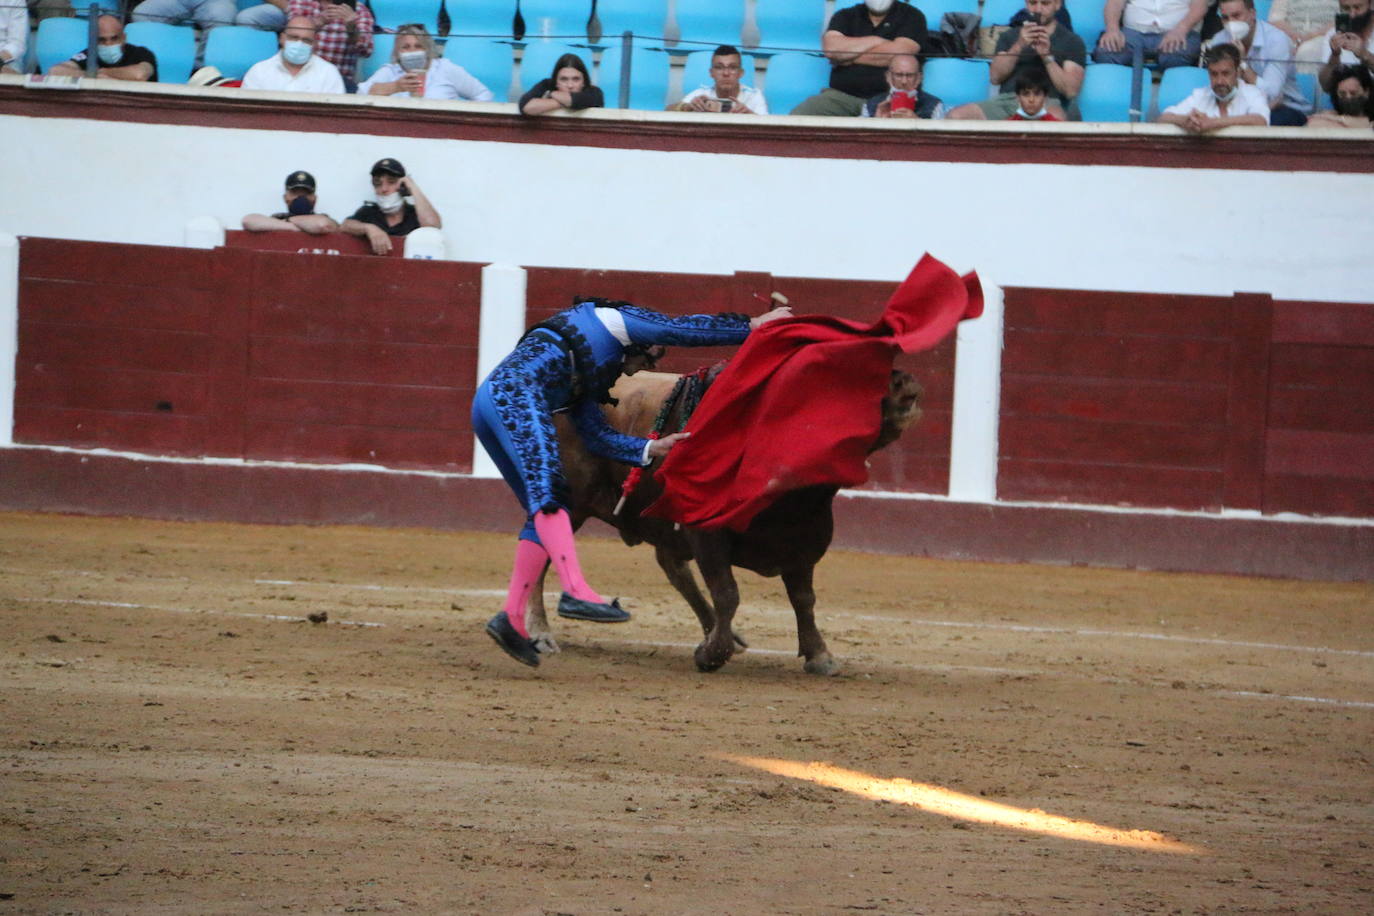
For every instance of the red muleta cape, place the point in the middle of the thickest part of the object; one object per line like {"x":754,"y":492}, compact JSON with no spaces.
{"x":798,"y":405}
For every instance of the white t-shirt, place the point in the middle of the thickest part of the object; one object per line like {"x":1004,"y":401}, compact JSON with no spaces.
{"x":318,"y":75}
{"x":1249,"y":100}
{"x":1154,"y":17}
{"x":1347,"y":57}
{"x":751,"y":97}
{"x":443,"y":80}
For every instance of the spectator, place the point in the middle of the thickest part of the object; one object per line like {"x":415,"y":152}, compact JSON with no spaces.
{"x":1351,"y":41}
{"x":300,"y":215}
{"x":1352,"y":97}
{"x":1032,"y":88}
{"x":416,"y":69}
{"x":206,"y":14}
{"x":118,"y":60}
{"x":905,"y":98}
{"x":343,"y":32}
{"x":569,"y":87}
{"x":1042,"y":43}
{"x":860,"y":42}
{"x":296,"y":67}
{"x":1268,"y":55}
{"x":1306,"y":23}
{"x":726,"y":93}
{"x":14,"y":36}
{"x":1228,"y":101}
{"x":1166,"y":28}
{"x":390,"y":214}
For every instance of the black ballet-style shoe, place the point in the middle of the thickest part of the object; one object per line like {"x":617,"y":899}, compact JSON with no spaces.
{"x":577,"y":609}
{"x":518,"y":647}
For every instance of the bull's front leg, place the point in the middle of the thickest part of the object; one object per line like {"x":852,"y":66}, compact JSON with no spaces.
{"x":679,"y":572}
{"x":536,"y":620}
{"x":810,"y":643}
{"x":713,"y":557}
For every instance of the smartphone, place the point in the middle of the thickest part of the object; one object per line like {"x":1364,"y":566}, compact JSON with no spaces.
{"x":1033,"y":20}
{"x":1342,"y":22}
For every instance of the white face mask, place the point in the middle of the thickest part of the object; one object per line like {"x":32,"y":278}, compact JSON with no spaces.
{"x":390,"y":203}
{"x":1031,"y":117}
{"x":1237,"y":29}
{"x":413,"y":60}
{"x":878,"y":7}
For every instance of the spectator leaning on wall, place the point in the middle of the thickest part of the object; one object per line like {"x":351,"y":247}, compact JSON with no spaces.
{"x":1268,"y":62}
{"x":118,"y":60}
{"x":296,"y":67}
{"x":299,"y":216}
{"x":389,"y":213}
{"x":1228,"y":101}
{"x":726,"y":94}
{"x":860,"y":42}
{"x":1352,"y":97}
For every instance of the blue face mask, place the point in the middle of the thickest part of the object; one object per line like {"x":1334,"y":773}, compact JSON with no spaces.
{"x":1228,"y":96}
{"x":295,"y":52}
{"x":300,"y":206}
{"x":110,"y":54}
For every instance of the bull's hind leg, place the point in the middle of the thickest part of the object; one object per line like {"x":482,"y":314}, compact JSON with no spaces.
{"x":713,"y":557}
{"x":810,"y":642}
{"x":536,"y":620}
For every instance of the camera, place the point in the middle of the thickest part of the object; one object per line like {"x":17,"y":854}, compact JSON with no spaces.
{"x":1342,"y":23}
{"x":724,"y":105}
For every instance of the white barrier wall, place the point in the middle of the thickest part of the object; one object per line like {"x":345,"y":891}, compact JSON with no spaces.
{"x":1300,"y":235}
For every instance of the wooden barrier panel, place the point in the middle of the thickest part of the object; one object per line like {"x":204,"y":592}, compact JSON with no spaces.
{"x":247,"y":354}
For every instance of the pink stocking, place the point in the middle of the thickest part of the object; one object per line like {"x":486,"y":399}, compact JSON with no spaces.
{"x":529,"y":566}
{"x":555,"y":531}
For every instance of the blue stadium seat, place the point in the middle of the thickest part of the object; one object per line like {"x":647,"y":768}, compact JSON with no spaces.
{"x":232,"y":49}
{"x":538,"y":60}
{"x":382,"y":44}
{"x":792,"y":25}
{"x":490,"y":61}
{"x":697,"y":72}
{"x":1312,"y":90}
{"x":792,"y":77}
{"x":1178,"y":82}
{"x":645,"y":18}
{"x":391,"y":13}
{"x":997,"y":12}
{"x":565,"y":20}
{"x":174,"y":46}
{"x":1087,"y":21}
{"x":956,"y":81}
{"x":705,"y":24}
{"x":648,"y":78}
{"x":1106,"y":93}
{"x":58,"y":39}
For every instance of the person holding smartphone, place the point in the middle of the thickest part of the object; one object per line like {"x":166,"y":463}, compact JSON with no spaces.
{"x":1041,"y":43}
{"x":726,"y":94}
{"x":1351,"y":41}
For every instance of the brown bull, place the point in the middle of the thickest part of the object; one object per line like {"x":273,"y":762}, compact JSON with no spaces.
{"x":787,"y":539}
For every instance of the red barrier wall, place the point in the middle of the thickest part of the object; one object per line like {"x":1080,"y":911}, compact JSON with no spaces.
{"x":247,"y":354}
{"x":1188,"y":402}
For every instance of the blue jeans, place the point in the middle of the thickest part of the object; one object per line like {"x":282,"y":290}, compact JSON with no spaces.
{"x":204,"y":13}
{"x":264,"y":16}
{"x":1150,"y":45}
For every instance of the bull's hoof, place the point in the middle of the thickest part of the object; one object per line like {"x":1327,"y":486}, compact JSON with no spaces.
{"x":707,"y":660}
{"x":544,"y":642}
{"x":824,"y":664}
{"x":739,"y":641}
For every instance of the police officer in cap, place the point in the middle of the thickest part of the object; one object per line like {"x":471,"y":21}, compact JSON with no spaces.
{"x":299,"y":216}
{"x":398,"y":208}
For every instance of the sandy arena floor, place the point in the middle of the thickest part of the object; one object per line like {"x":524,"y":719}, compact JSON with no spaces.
{"x":178,"y":738}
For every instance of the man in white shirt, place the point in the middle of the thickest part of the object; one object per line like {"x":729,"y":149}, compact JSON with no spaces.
{"x":296,"y":67}
{"x":1351,"y":41}
{"x":1269,"y":65}
{"x":1168,"y":28}
{"x":727,"y":93}
{"x":1229,"y":101}
{"x":14,"y":36}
